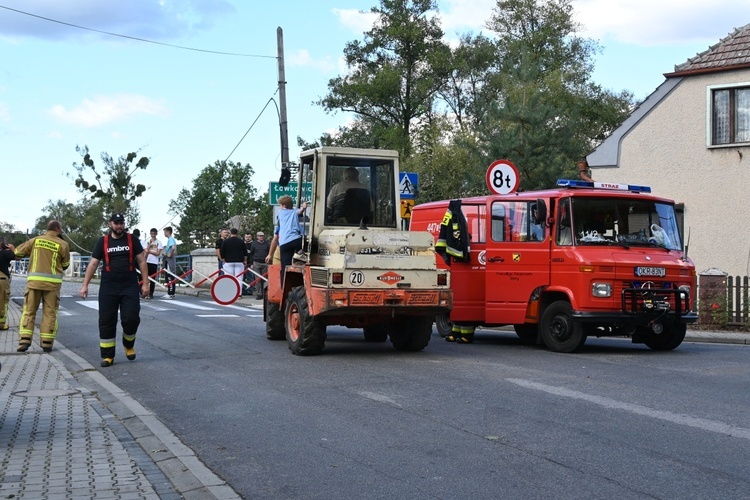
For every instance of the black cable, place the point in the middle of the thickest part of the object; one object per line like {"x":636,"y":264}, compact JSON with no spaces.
{"x":133,"y":37}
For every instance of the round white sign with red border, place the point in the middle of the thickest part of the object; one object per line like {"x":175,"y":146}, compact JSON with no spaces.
{"x":225,"y":290}
{"x":502,"y":177}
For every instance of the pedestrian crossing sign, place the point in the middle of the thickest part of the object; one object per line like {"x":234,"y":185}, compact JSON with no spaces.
{"x":407,"y":184}
{"x":406,"y":206}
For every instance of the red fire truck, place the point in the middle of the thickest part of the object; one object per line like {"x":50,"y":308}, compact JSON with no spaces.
{"x":560,"y":265}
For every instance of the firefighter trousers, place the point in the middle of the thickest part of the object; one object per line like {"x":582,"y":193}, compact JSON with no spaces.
{"x":113,"y":298}
{"x":4,"y":299}
{"x":50,"y":300}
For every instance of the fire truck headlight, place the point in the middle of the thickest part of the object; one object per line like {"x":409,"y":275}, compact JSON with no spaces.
{"x":684,"y":291}
{"x":601,"y":290}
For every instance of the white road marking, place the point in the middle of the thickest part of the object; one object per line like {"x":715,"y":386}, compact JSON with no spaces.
{"x":380,"y":398}
{"x":675,"y":418}
{"x":190,"y":305}
{"x":90,"y":304}
{"x":217,"y":315}
{"x":230,"y":306}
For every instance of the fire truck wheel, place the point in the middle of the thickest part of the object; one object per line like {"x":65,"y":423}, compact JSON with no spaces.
{"x":306,"y":335}
{"x":527,"y":332}
{"x":274,"y":322}
{"x":668,"y":339}
{"x":444,"y":324}
{"x":411,"y":333}
{"x":376,"y":333}
{"x":559,"y":332}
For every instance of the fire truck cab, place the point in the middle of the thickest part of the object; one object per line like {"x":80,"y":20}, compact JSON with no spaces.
{"x":584,"y":259}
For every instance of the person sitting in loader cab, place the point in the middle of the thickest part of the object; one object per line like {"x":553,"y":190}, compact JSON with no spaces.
{"x":349,"y":201}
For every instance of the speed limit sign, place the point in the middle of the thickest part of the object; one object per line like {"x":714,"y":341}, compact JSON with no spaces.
{"x":503,"y":177}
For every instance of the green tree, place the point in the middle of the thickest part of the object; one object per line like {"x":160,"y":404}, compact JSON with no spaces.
{"x":394,"y":74}
{"x":548,"y":113}
{"x":82,"y":223}
{"x":222,"y":194}
{"x":113,"y":185}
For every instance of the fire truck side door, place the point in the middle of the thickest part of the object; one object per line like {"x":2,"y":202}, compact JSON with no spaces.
{"x":517,"y":257}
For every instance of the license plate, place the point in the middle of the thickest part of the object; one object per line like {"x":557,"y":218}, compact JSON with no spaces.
{"x":650,"y":271}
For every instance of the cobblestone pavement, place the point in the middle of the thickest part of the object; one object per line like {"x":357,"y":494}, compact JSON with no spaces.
{"x":66,"y":436}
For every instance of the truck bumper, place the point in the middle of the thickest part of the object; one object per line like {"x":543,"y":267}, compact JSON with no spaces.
{"x":385,"y":303}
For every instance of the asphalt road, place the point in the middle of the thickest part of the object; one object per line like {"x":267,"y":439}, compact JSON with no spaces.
{"x":495,"y":419}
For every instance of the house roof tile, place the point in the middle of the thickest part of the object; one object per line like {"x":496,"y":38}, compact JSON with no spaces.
{"x":730,"y":53}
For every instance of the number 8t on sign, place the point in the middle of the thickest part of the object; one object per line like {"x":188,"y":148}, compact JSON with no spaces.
{"x":502,"y":177}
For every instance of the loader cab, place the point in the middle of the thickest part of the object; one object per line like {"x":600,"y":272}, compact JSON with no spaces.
{"x":351,"y":188}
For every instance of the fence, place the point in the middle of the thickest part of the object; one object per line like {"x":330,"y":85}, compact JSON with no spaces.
{"x":79,"y":263}
{"x":737,"y":300}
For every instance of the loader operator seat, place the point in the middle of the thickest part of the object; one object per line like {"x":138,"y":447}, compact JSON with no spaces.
{"x":352,"y":207}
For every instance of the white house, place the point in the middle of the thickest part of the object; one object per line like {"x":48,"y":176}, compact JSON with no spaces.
{"x":690,"y":141}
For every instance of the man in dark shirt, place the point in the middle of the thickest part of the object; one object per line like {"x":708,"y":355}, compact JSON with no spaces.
{"x":234,"y":254}
{"x":121,"y":252}
{"x":248,"y":278}
{"x":223,"y":234}
{"x":257,"y":256}
{"x":7,"y":255}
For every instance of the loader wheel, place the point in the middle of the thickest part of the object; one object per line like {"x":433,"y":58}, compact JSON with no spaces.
{"x":411,"y":333}
{"x":376,"y":333}
{"x":559,"y":332}
{"x":306,"y":335}
{"x":668,"y":339}
{"x":527,"y":332}
{"x":443,"y":324}
{"x":274,"y":321}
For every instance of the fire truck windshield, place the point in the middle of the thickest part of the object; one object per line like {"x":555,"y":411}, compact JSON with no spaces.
{"x":627,"y":222}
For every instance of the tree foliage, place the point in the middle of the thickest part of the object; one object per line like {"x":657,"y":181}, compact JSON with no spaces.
{"x":521,"y":92}
{"x":549,"y":114}
{"x":83,"y":222}
{"x":394,"y":74}
{"x":222,"y":196}
{"x":114,"y":185}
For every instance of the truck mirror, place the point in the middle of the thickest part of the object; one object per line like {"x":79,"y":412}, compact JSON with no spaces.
{"x":541,"y":212}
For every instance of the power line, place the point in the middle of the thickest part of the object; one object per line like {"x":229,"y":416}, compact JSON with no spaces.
{"x":135,"y":38}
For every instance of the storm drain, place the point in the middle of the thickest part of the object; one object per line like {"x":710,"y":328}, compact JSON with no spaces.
{"x":45,"y":393}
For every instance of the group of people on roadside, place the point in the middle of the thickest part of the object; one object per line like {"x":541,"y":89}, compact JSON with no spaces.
{"x":244,"y":258}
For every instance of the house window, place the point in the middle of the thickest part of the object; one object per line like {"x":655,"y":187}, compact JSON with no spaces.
{"x":731,"y":115}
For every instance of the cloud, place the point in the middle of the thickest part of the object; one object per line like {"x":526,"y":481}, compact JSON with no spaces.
{"x":355,"y":20}
{"x":4,"y":113}
{"x":52,"y":19}
{"x":102,"y":110}
{"x":666,"y":22}
{"x":303,"y":59}
{"x":460,"y":16}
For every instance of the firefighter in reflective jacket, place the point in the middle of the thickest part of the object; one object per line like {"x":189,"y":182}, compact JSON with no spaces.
{"x":49,"y":256}
{"x":453,"y":244}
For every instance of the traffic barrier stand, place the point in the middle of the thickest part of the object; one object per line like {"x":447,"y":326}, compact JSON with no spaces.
{"x":152,"y":277}
{"x":179,"y":278}
{"x":206,"y":278}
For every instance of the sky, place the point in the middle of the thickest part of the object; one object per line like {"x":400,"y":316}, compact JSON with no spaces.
{"x":62,"y":86}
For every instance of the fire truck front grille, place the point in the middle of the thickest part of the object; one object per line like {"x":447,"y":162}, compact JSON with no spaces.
{"x":651,"y":297}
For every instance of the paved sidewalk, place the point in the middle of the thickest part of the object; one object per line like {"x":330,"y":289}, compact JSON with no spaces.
{"x":68,"y":432}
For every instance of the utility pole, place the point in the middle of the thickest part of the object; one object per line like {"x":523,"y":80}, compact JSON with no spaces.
{"x":285,"y":172}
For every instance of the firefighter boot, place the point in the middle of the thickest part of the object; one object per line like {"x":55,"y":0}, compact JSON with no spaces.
{"x":47,"y":345}
{"x":466,"y":335}
{"x":130,"y":353}
{"x":24,"y":342}
{"x":107,"y":362}
{"x":454,"y":334}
